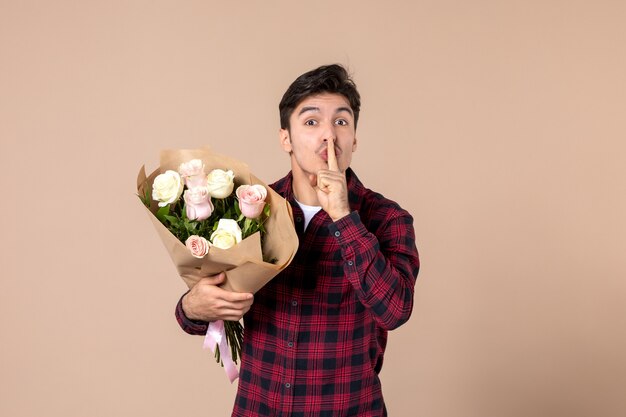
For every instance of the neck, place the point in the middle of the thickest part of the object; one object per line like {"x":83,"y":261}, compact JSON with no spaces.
{"x":302,"y":189}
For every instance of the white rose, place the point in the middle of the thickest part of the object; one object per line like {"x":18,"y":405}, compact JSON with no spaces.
{"x":167,"y":188}
{"x":227,"y":234}
{"x":220,"y":183}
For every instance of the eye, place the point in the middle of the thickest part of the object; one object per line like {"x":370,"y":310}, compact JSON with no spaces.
{"x":341,"y":122}
{"x":310,"y":122}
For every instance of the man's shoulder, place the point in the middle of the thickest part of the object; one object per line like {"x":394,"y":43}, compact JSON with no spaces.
{"x":375,"y":202}
{"x":282,"y":185}
{"x":373,"y":205}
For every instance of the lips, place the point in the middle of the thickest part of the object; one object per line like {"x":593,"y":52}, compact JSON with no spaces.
{"x":324,"y":153}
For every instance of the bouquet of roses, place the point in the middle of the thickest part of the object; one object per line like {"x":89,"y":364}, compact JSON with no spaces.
{"x":213,"y":215}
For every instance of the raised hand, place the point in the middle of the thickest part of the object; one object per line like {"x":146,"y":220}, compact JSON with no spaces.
{"x":331,"y":187}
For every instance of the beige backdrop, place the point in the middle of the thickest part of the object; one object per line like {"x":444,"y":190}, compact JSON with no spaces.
{"x":499,"y":124}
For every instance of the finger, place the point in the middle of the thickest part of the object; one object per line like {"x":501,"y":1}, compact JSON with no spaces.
{"x":322,"y":183}
{"x":244,"y":305}
{"x":215,"y":279}
{"x":232,"y":316}
{"x":237,"y":297}
{"x":332,"y":157}
{"x":327,"y":180}
{"x":234,"y":312}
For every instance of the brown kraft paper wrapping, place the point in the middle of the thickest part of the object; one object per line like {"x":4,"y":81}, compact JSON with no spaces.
{"x":243,"y":263}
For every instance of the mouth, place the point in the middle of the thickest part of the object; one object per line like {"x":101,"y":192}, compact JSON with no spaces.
{"x":324,"y":153}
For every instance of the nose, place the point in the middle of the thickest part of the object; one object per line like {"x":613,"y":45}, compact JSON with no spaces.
{"x":329,"y":133}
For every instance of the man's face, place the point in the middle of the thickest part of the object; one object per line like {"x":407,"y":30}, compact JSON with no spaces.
{"x":317,"y":120}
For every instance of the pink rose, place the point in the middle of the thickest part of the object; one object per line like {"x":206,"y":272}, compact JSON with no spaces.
{"x":193,"y":173}
{"x":197,"y":245}
{"x":251,"y":200}
{"x":198,"y":205}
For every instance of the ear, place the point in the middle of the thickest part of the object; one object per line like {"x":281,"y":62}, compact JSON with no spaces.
{"x":354,"y":144}
{"x":285,"y":140}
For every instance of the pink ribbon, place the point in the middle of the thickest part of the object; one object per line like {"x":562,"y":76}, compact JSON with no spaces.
{"x":216,"y":336}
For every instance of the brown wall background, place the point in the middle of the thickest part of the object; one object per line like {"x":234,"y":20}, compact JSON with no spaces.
{"x":499,"y":124}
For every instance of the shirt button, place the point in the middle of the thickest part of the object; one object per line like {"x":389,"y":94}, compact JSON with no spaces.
{"x":337,"y":233}
{"x":290,"y":344}
{"x":294,"y":303}
{"x":287,"y":385}
{"x":298,"y":219}
{"x":350,"y":263}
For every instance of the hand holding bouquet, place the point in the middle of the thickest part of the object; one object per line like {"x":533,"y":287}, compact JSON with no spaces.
{"x":219,"y":219}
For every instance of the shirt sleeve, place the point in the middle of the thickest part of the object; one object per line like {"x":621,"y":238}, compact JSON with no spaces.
{"x":381,"y":267}
{"x":190,"y":326}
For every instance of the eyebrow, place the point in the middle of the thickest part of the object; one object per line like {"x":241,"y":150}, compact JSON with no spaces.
{"x":317,"y":109}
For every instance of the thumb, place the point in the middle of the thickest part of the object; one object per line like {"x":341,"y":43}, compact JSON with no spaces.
{"x":214,"y":279}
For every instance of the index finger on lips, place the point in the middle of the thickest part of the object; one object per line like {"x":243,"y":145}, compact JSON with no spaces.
{"x":332,"y":157}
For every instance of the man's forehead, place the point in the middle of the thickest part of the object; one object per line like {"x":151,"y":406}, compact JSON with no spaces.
{"x":327,"y":101}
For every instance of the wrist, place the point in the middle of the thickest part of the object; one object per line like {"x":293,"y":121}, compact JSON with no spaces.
{"x":340,"y":215}
{"x":187,"y":310}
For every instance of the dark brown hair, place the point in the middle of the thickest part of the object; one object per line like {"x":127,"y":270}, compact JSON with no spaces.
{"x":325,"y":79}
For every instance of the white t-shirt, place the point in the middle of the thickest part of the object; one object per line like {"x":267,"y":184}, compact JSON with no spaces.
{"x":309,"y":212}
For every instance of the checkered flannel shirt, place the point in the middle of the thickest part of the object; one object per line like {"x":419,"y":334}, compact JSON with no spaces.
{"x":316,"y":334}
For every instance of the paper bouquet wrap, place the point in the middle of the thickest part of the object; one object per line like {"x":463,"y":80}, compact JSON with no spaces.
{"x":249,"y":264}
{"x":244,"y":264}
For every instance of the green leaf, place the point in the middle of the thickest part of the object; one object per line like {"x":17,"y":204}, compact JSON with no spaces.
{"x":190,"y":226}
{"x":171,"y":219}
{"x":162,"y":212}
{"x":184,"y":212}
{"x":146,"y":198}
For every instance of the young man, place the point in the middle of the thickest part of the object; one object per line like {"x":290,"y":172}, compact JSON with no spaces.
{"x":316,"y":334}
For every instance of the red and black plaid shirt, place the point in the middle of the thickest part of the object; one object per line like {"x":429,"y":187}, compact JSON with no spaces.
{"x":316,"y":334}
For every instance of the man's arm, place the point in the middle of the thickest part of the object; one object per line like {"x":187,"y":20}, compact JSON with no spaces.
{"x":383,"y":268}
{"x":195,"y":327}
